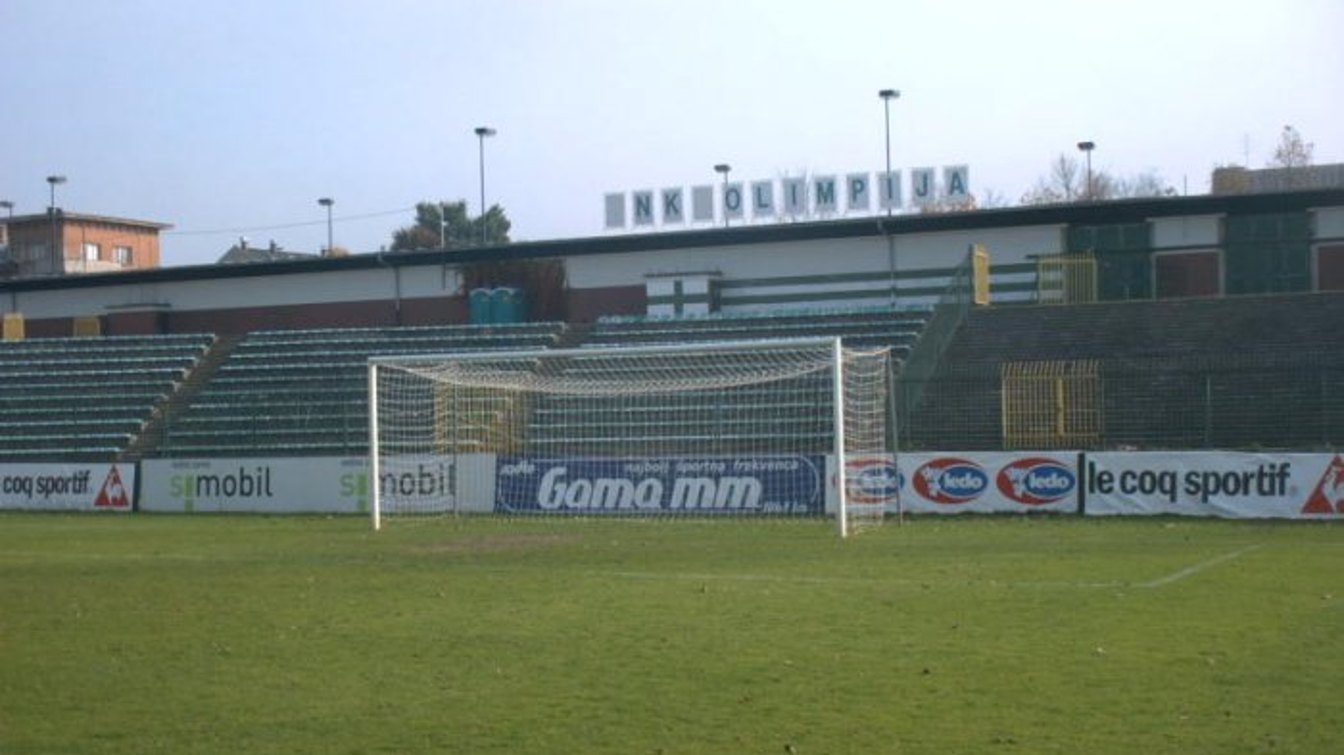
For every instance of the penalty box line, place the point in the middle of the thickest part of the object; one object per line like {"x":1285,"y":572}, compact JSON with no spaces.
{"x":1194,"y":569}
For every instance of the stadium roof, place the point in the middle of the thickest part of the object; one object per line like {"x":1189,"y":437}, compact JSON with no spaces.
{"x":1106,"y":212}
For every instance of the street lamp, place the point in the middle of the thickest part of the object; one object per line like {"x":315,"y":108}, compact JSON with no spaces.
{"x":724,"y":168}
{"x":327,"y":202}
{"x":481,"y":133}
{"x":1087,"y":148}
{"x":56,"y":254}
{"x":53,"y":180}
{"x":887,"y":96}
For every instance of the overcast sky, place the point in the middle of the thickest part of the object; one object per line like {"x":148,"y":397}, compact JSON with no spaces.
{"x":230,"y":118}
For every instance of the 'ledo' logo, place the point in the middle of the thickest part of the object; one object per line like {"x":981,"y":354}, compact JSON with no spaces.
{"x":872,"y":481}
{"x":1036,"y":481}
{"x":950,"y":481}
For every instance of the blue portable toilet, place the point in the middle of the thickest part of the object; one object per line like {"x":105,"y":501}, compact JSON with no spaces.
{"x":509,"y":305}
{"x":480,"y":302}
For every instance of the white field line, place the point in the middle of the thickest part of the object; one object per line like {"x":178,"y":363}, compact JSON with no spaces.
{"x":1190,"y":571}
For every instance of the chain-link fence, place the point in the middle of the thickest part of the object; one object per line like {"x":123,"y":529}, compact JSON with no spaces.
{"x":1283,"y":401}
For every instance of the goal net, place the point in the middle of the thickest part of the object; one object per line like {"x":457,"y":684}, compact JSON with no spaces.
{"x":760,"y":428}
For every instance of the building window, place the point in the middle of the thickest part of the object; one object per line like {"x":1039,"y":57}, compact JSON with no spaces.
{"x":122,"y":255}
{"x":90,"y":252}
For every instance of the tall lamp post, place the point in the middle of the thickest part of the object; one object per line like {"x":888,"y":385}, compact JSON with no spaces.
{"x":887,"y":96}
{"x":724,"y":168}
{"x":481,"y":133}
{"x":327,"y":202}
{"x":57,"y":254}
{"x":1087,"y":148}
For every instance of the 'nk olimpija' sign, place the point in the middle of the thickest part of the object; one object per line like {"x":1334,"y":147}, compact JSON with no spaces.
{"x":798,"y":197}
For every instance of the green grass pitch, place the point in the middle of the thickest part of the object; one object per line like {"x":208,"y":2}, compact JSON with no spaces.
{"x":213,"y":634}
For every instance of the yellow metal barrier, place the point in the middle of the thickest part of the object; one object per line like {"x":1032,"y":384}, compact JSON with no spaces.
{"x":14,"y":328}
{"x":478,"y":420}
{"x":980,"y":275}
{"x":1055,"y":404}
{"x":88,"y":326}
{"x":1066,"y":279}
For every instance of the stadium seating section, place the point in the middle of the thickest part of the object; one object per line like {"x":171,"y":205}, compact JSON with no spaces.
{"x":85,"y":399}
{"x":1240,"y":373}
{"x":305,"y":392}
{"x":1247,"y":372}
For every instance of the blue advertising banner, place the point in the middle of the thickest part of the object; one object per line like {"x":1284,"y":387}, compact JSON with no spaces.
{"x":686,"y":485}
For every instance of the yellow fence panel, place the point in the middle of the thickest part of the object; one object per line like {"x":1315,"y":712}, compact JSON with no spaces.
{"x":980,"y":275}
{"x":478,"y":420}
{"x":1053,"y":404}
{"x":14,"y":327}
{"x":1066,"y":279}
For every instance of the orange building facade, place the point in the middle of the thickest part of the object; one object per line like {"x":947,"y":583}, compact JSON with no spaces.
{"x":82,"y":244}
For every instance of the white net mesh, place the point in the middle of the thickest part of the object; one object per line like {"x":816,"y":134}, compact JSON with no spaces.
{"x":712,"y":430}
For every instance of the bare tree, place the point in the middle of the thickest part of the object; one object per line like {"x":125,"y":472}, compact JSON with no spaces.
{"x":1292,"y":151}
{"x":1146,"y":184}
{"x":1061,"y":184}
{"x":1067,"y":182}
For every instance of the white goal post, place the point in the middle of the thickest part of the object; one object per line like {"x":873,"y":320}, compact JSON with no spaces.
{"x":796,"y":427}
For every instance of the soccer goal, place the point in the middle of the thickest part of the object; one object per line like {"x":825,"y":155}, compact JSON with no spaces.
{"x":760,"y":428}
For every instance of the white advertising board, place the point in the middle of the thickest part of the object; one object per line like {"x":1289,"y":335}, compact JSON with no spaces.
{"x":1213,"y":483}
{"x":275,"y":485}
{"x":68,"y":487}
{"x":337,"y":485}
{"x":988,"y":482}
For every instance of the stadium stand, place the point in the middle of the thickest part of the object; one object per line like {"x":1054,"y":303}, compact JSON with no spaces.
{"x":859,"y":328}
{"x":305,"y":392}
{"x":86,"y":399}
{"x":790,"y":417}
{"x":1238,"y":372}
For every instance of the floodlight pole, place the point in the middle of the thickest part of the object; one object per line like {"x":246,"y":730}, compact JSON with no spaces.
{"x":481,"y":133}
{"x":1087,"y":148}
{"x":724,"y":168}
{"x":327,"y":202}
{"x":887,"y":96}
{"x":57,"y":254}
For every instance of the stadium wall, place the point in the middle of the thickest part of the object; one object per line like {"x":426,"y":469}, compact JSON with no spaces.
{"x":785,"y":266}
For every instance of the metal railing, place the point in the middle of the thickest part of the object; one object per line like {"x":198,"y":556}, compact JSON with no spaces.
{"x":1245,"y":402}
{"x":918,"y":369}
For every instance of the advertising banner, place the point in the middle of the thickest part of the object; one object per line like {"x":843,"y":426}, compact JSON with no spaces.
{"x":698,"y":485}
{"x":277,"y":485}
{"x":1214,"y":483}
{"x":989,"y":482}
{"x":68,"y":487}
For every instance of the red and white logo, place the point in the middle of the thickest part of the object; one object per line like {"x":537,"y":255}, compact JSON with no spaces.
{"x":950,"y":481}
{"x":1328,"y":497}
{"x":113,"y":495}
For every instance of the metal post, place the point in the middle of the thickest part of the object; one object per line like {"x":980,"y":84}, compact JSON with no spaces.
{"x":887,"y":96}
{"x":724,"y":168}
{"x":1087,"y":148}
{"x":327,"y":202}
{"x":838,"y":400}
{"x":481,"y":133}
{"x":57,"y":255}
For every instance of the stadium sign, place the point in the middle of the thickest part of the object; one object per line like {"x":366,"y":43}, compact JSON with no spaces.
{"x":797,"y":197}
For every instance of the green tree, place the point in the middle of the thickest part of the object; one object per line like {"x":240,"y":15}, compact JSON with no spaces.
{"x":447,"y":226}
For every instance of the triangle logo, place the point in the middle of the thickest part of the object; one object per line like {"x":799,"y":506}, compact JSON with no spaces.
{"x":113,"y":495}
{"x":1328,"y":497}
